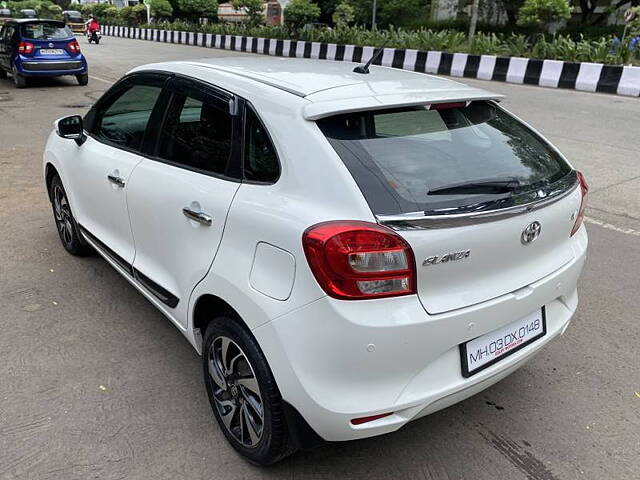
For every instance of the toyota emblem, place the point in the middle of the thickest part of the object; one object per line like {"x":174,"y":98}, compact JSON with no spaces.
{"x":530,"y":233}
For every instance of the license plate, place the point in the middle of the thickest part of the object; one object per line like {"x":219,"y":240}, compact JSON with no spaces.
{"x":51,"y":51}
{"x":487,"y":349}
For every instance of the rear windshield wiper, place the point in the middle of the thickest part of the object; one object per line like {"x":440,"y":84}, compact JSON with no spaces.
{"x":487,"y":186}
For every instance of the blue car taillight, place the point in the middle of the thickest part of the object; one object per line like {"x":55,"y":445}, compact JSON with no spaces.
{"x":25,"y":48}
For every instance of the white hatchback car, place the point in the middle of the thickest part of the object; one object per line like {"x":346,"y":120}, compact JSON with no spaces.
{"x":348,"y":251}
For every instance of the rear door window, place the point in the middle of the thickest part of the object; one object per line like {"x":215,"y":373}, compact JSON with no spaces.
{"x":198,"y":131}
{"x":415,"y":159}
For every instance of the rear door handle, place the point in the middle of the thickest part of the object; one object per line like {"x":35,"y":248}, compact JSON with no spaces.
{"x":199,"y":217}
{"x":116,"y":180}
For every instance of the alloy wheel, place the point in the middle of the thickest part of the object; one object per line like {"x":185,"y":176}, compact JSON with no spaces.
{"x":236,"y":391}
{"x":62,"y":214}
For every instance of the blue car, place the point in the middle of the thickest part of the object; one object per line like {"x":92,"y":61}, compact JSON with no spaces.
{"x":40,"y":48}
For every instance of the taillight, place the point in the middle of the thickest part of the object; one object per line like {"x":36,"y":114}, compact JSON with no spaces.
{"x":74,"y":46}
{"x":584,"y":190}
{"x":357,"y":260}
{"x":25,"y":48}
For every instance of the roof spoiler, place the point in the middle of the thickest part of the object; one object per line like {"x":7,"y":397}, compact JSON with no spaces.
{"x":318,"y":110}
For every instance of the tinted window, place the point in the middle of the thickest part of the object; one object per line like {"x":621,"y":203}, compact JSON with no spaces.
{"x":197,"y":133}
{"x":46,"y":31}
{"x":123,"y":121}
{"x":260,"y":159}
{"x":399,"y":158}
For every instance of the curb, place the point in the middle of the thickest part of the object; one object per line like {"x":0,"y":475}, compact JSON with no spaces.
{"x":584,"y":76}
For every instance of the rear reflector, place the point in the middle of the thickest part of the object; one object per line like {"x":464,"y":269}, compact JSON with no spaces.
{"x":361,"y":420}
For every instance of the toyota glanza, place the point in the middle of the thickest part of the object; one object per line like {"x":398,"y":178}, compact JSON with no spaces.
{"x":348,"y":251}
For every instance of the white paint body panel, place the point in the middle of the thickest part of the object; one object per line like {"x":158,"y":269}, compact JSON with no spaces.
{"x":171,"y":249}
{"x":273,"y":271}
{"x":101,"y":205}
{"x":319,"y":348}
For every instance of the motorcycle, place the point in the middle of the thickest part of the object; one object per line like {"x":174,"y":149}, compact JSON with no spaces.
{"x":94,"y":36}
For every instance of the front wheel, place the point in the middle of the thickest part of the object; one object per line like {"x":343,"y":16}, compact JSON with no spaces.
{"x":3,"y":74}
{"x":82,"y":79}
{"x":243,"y":393}
{"x":65,"y":223}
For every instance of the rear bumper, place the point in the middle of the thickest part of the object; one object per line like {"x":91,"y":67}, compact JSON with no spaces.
{"x":50,"y":68}
{"x":338,"y":360}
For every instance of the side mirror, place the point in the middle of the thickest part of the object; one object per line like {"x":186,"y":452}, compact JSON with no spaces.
{"x":71,"y":128}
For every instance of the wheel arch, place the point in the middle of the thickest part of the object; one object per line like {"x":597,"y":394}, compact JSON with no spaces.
{"x":206,"y":308}
{"x":50,"y":171}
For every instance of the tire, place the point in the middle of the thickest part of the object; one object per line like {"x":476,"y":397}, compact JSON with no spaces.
{"x":97,"y":41}
{"x":19,"y":80}
{"x":232,"y":392}
{"x":82,"y":79}
{"x":66,"y":225}
{"x":3,"y":74}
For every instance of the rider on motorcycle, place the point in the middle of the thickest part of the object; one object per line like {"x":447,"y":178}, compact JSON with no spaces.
{"x":93,"y":27}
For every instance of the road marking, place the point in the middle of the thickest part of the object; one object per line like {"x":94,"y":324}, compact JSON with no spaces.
{"x":608,"y":226}
{"x":101,"y":79}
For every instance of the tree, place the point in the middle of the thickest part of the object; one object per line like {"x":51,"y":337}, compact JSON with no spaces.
{"x":160,"y":8}
{"x":474,"y":20}
{"x":541,"y":13}
{"x":300,"y":12}
{"x":343,"y":15}
{"x":195,"y":9}
{"x":327,"y":7}
{"x":254,"y":9}
{"x":511,"y":8}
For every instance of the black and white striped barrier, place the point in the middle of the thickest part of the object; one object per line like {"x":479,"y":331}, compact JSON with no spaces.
{"x":591,"y":77}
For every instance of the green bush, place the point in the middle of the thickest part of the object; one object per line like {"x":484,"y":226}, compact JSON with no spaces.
{"x":160,"y":9}
{"x":49,"y":10}
{"x":344,"y":15}
{"x":44,"y":8}
{"x":300,"y":12}
{"x":196,"y":9}
{"x":554,"y":47}
{"x":541,"y":13}
{"x":254,"y":9}
{"x":109,"y":16}
{"x":98,"y":10}
{"x":133,"y":16}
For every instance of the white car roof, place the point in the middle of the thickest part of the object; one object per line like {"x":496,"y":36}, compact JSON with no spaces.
{"x":332,"y":87}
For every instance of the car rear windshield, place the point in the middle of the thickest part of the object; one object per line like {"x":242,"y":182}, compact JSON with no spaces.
{"x":444,"y":159}
{"x":46,"y":31}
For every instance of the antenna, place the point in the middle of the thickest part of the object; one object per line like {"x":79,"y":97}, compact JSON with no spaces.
{"x":364,"y":69}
